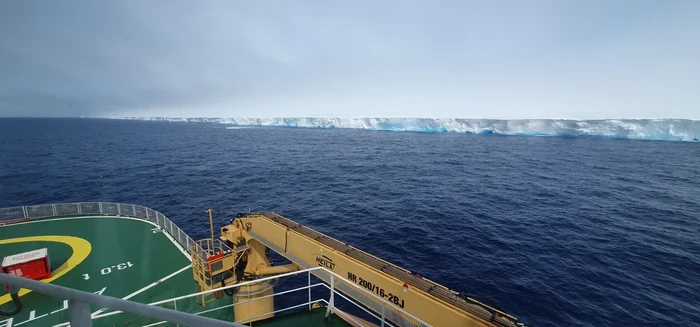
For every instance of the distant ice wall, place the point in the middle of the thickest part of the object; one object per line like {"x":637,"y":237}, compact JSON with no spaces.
{"x":646,"y":129}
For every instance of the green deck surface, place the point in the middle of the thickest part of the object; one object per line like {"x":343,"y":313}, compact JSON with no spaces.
{"x":313,"y":318}
{"x":130,"y":259}
{"x":126,"y":257}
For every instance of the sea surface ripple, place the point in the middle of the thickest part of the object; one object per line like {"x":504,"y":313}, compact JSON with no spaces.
{"x":558,"y":231}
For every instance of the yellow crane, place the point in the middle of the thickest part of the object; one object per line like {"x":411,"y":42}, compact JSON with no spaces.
{"x":241,"y":254}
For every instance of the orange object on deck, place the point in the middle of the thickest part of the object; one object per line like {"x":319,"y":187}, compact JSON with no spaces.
{"x":33,"y":264}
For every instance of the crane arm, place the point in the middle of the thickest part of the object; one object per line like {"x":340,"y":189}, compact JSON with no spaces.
{"x":430,"y":302}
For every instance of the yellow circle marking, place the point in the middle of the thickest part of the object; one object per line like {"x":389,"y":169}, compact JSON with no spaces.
{"x":81,"y":250}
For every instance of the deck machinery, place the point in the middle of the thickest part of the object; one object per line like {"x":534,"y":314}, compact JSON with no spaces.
{"x":241,"y":254}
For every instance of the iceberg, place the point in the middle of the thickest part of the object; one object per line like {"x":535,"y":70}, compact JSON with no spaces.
{"x":641,"y":129}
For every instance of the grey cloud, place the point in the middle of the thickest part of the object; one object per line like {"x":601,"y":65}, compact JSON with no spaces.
{"x":500,"y":59}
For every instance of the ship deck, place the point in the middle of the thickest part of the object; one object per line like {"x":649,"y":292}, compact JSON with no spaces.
{"x":122,"y":257}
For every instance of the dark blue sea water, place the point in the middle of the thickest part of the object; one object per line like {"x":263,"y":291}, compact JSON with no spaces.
{"x":558,"y":231}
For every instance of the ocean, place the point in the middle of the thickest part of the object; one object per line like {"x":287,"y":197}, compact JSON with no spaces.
{"x":559,"y":231}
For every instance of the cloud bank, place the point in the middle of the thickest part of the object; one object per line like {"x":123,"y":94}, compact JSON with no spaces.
{"x":460,"y":59}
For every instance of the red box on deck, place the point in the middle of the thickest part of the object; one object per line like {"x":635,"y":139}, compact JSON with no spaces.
{"x":33,"y":264}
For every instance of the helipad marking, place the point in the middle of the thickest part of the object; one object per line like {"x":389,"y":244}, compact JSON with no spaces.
{"x":177,"y":245}
{"x":97,"y":313}
{"x":81,"y":250}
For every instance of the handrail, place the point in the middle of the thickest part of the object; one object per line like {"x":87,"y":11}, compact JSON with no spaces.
{"x":333,"y":287}
{"x":111,"y":209}
{"x":25,"y":213}
{"x":79,"y":309}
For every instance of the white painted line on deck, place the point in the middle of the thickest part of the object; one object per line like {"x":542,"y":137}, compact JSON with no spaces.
{"x":141,"y":290}
{"x":156,"y":282}
{"x":137,"y":292}
{"x":72,"y":218}
{"x":196,"y":313}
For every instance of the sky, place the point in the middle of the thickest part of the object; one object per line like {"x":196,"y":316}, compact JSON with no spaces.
{"x":576,"y":59}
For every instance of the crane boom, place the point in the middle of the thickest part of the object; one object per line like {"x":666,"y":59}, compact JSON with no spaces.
{"x":304,"y":247}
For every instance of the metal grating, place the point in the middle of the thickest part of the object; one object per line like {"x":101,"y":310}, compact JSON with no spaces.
{"x":66,"y":209}
{"x":139,"y":211}
{"x":110,"y":208}
{"x":90,"y":208}
{"x":13,"y":213}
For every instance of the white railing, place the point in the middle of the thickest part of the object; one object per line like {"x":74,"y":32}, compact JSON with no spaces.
{"x":387,"y":313}
{"x":25,"y":213}
{"x":330,"y":302}
{"x":78,"y":305}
